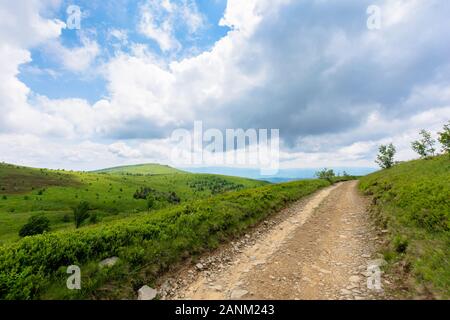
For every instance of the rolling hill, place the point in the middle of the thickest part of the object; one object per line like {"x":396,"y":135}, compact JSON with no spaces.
{"x":147,"y":243}
{"x":26,"y":192}
{"x":141,"y":169}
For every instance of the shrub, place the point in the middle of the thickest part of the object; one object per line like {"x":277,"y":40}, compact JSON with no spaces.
{"x":425,"y":146}
{"x":326,"y":174}
{"x":385,"y":158}
{"x":81,"y":213}
{"x":400,"y":243}
{"x":444,"y":138}
{"x":142,"y":193}
{"x":93,"y":218}
{"x":173,"y":198}
{"x":35,"y":225}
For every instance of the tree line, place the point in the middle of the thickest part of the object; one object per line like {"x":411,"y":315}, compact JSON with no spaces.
{"x":425,"y":147}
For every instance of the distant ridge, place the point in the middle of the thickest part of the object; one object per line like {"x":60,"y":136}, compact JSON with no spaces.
{"x":148,"y":168}
{"x":283,"y":175}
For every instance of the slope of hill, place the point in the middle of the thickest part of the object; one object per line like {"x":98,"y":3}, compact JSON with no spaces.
{"x":141,"y":169}
{"x":412,"y":201}
{"x":26,"y":192}
{"x":17,"y":179}
{"x":35,"y":267}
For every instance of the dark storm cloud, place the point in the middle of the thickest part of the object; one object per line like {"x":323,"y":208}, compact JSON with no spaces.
{"x":326,"y":72}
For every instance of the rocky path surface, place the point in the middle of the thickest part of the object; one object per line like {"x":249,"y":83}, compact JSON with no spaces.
{"x":321,"y":247}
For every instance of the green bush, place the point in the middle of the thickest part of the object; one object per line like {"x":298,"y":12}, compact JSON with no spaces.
{"x":326,"y":174}
{"x":385,"y":157}
{"x":35,"y":225}
{"x":400,"y":243}
{"x":93,"y":218}
{"x":81,"y":213}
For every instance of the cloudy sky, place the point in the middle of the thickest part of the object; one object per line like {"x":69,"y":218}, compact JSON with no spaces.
{"x":113,"y":91}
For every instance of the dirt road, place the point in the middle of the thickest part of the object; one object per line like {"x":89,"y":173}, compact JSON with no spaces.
{"x":318,"y":248}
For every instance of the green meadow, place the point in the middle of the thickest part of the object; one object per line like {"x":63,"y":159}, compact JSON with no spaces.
{"x":412,"y":201}
{"x":210,"y":210}
{"x":26,"y":192}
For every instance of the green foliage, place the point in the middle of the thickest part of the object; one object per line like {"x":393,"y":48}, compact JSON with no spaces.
{"x":35,"y":225}
{"x":214,"y":184}
{"x":400,"y":243}
{"x":173,"y":198}
{"x":93,"y":218}
{"x":142,"y":193}
{"x":81,"y":213}
{"x":156,"y":199}
{"x":109,"y":194}
{"x":425,"y":146}
{"x":326,"y":174}
{"x":412,"y":201}
{"x":150,"y":202}
{"x":28,"y":268}
{"x":444,"y":138}
{"x":385,"y":157}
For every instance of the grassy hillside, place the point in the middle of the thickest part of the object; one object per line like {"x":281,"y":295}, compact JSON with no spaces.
{"x":412,"y":200}
{"x":141,"y":169}
{"x":35,"y":267}
{"x":26,"y":192}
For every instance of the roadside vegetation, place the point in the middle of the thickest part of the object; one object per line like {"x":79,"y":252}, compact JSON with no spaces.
{"x":35,"y":267}
{"x":411,"y":201}
{"x":330,"y":176}
{"x":55,"y":194}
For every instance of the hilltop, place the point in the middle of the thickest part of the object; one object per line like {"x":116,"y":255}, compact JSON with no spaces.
{"x":141,"y":169}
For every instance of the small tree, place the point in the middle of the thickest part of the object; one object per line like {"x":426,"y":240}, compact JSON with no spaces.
{"x":385,"y":158}
{"x":81,"y":213}
{"x":425,"y":146}
{"x":444,"y":138}
{"x":35,"y":225}
{"x":326,"y":174}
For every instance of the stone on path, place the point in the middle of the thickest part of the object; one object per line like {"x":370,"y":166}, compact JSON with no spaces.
{"x":238,"y":293}
{"x":147,"y":293}
{"x":199,"y":266}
